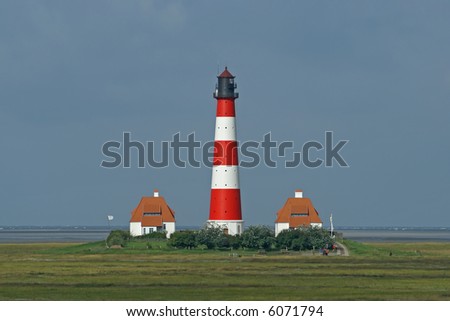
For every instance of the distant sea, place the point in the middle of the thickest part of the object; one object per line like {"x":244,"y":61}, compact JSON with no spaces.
{"x":77,"y":234}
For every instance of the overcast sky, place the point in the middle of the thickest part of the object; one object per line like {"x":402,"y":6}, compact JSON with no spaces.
{"x":75,"y":74}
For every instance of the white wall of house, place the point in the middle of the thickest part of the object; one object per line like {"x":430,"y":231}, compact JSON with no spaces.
{"x":234,"y":227}
{"x":135,"y":228}
{"x":170,"y":228}
{"x":280,"y":227}
{"x":285,"y":226}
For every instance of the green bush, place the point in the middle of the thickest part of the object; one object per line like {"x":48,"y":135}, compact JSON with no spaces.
{"x":213,"y":237}
{"x":297,"y":245}
{"x":234,"y":241}
{"x":284,"y":239}
{"x":152,"y":236}
{"x":258,"y":237}
{"x":118,"y":237}
{"x":304,"y":239}
{"x":318,"y":238}
{"x":183,"y":240}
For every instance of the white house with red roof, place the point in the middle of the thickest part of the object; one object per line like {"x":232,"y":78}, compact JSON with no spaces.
{"x":152,"y":215}
{"x":297,"y":212}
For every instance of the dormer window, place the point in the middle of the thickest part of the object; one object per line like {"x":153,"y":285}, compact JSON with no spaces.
{"x":299,"y":214}
{"x":152,"y":214}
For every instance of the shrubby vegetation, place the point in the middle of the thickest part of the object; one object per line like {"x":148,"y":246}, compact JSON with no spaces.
{"x":118,"y":238}
{"x":258,"y":237}
{"x":304,"y":239}
{"x":183,"y":240}
{"x":212,"y":237}
{"x":152,"y":236}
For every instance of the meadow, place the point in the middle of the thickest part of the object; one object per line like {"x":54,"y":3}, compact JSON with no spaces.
{"x":384,"y":271}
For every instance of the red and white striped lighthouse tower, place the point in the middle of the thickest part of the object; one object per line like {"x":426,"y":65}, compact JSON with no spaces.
{"x":225,"y":207}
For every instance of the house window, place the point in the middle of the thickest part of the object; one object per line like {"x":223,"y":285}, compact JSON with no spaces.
{"x":148,"y":230}
{"x":164,"y":227}
{"x":298,"y":214}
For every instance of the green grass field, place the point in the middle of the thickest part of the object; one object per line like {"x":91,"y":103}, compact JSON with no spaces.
{"x":418,"y":271}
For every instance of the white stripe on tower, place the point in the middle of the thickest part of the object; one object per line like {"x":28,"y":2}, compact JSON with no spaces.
{"x":225,"y":128}
{"x":225,"y":176}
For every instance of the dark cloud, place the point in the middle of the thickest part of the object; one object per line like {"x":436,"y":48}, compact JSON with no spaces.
{"x":74,"y":74}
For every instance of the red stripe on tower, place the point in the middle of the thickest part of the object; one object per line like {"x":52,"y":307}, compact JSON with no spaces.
{"x":225,"y":206}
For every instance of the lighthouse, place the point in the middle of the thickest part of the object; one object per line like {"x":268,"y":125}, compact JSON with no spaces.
{"x":225,"y":206}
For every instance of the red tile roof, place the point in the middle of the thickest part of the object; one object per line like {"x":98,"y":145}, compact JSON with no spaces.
{"x":303,"y":207}
{"x":157,"y":206}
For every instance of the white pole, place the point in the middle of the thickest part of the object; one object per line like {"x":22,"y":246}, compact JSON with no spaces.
{"x":109,"y":218}
{"x":331,"y":225}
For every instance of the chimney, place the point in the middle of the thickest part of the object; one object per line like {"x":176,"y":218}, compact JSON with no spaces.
{"x":298,"y":193}
{"x":155,"y":193}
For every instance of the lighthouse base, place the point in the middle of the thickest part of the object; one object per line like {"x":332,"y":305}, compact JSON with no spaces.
{"x":229,"y":227}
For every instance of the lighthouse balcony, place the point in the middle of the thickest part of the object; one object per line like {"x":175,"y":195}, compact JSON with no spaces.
{"x":231,"y":95}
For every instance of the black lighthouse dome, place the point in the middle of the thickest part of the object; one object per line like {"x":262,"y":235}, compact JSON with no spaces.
{"x":225,"y":86}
